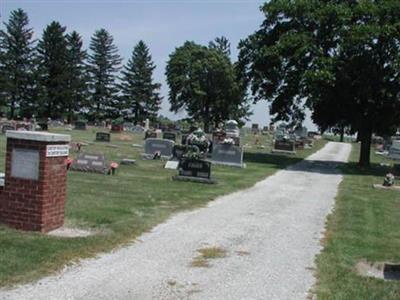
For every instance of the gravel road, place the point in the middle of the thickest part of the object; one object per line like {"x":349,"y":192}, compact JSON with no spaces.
{"x":271,"y":234}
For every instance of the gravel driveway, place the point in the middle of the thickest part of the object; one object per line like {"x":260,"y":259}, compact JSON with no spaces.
{"x":270,"y":232}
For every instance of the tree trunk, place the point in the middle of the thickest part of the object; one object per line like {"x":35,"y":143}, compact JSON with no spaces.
{"x":365,"y":150}
{"x":342,"y":135}
{"x":12,"y":110}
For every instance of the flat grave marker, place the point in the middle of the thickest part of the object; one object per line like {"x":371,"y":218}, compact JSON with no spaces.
{"x":103,"y":137}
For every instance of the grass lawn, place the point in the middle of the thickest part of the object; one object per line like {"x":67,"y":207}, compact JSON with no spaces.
{"x":364,"y":225}
{"x":122,"y":207}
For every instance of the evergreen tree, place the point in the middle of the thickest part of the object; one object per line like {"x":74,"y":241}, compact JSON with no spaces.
{"x":222,"y":44}
{"x":53,"y":71}
{"x":104,"y":63}
{"x":139,"y":94}
{"x":16,"y":63}
{"x":77,"y":75}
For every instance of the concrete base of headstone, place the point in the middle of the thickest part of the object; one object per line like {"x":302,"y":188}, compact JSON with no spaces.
{"x":128,"y":161}
{"x":391,"y":188}
{"x":151,"y":156}
{"x":283,"y":151}
{"x":194,"y":179}
{"x":227,"y":164}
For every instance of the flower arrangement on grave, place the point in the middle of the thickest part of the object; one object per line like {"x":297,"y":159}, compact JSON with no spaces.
{"x":388,"y":180}
{"x":199,"y":139}
{"x":228,"y":141}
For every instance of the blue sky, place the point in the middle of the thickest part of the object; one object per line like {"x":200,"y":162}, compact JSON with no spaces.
{"x":162,"y":24}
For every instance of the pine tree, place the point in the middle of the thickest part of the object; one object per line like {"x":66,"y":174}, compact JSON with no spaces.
{"x":77,"y":75}
{"x":53,"y":71}
{"x":139,"y":94}
{"x":104,"y":63}
{"x":16,"y":63}
{"x":222,"y":44}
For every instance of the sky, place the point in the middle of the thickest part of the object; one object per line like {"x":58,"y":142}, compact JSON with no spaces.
{"x":162,"y":24}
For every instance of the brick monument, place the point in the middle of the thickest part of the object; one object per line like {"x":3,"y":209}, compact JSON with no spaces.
{"x":34,"y":191}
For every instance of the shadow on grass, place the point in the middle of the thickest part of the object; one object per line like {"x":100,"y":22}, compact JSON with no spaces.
{"x":293,"y":163}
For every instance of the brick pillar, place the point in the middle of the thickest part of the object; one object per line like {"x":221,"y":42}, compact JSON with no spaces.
{"x":33,"y":196}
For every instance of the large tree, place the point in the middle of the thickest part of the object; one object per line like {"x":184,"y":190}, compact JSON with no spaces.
{"x":77,"y":75}
{"x":104,"y":63}
{"x":203,"y":82}
{"x":140,"y":94}
{"x":16,"y":62}
{"x":339,"y":58}
{"x":53,"y":71}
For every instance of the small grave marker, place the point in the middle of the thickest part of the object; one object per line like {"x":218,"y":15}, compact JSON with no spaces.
{"x":228,"y":154}
{"x":103,"y":137}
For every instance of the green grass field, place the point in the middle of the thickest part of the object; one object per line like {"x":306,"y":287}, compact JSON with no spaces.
{"x":119,"y":208}
{"x":364,"y":225}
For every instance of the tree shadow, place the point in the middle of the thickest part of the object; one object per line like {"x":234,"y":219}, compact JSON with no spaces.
{"x":293,"y":163}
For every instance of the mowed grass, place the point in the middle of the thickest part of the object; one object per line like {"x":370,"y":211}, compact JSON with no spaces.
{"x":121,"y":207}
{"x":365,"y":225}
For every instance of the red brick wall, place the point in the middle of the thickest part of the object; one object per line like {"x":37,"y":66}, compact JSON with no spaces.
{"x":36,"y":205}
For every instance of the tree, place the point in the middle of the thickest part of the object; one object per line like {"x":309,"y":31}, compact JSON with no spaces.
{"x":77,"y":75}
{"x":104,"y":63}
{"x":140,"y":95}
{"x":16,"y":67}
{"x":338,"y":58}
{"x":203,"y":81}
{"x":53,"y":71}
{"x":222,"y":44}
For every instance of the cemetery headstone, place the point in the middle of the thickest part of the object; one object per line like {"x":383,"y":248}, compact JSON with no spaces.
{"x":196,"y":170}
{"x":150,"y":134}
{"x":89,"y":163}
{"x":103,"y":137}
{"x":80,"y":125}
{"x":254,"y":128}
{"x":117,"y":127}
{"x":232,"y":129}
{"x":287,"y":146}
{"x":228,"y":154}
{"x":169,"y":136}
{"x":394,"y":150}
{"x":153,"y":146}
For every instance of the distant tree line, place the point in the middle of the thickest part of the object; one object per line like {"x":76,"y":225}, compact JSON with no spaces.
{"x":55,"y":77}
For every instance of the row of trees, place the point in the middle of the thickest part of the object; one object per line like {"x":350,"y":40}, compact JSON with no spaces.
{"x":56,"y":78}
{"x":339,"y":58}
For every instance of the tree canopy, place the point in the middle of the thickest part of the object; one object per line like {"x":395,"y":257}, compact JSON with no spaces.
{"x":338,"y":58}
{"x":203,"y":82}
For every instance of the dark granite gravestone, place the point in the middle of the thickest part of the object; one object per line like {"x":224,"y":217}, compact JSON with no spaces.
{"x":227,"y":154}
{"x":153,"y":146}
{"x":254,"y":128}
{"x":284,"y":146}
{"x":169,"y":136}
{"x":196,"y":170}
{"x":80,"y":125}
{"x":89,"y":163}
{"x":103,"y":137}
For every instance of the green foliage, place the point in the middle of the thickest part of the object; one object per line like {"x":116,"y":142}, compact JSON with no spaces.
{"x":222,"y":44}
{"x":16,"y":64}
{"x":104,"y":63}
{"x":52,"y":71}
{"x":203,"y":81}
{"x":77,"y":77}
{"x":338,"y":58}
{"x":140,"y":95}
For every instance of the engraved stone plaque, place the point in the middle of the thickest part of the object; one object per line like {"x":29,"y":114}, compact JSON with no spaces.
{"x":25,"y":164}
